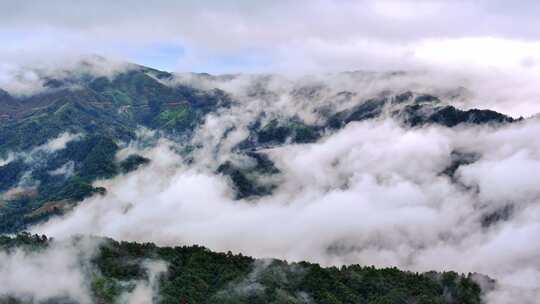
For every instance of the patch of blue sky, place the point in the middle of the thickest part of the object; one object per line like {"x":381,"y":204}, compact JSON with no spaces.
{"x":159,"y":56}
{"x":247,"y":61}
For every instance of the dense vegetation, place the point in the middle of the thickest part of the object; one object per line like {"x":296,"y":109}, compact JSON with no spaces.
{"x":197,"y":275}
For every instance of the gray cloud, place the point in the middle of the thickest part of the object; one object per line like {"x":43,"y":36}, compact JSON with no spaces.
{"x":328,"y":20}
{"x":288,"y":35}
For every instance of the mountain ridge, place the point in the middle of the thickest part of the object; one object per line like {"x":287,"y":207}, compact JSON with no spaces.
{"x":194,"y":274}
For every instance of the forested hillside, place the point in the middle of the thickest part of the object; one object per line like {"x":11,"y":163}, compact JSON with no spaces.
{"x":196,"y":275}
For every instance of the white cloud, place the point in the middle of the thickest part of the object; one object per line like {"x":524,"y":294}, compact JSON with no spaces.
{"x":64,"y":270}
{"x":369,"y":194}
{"x":482,"y":51}
{"x":66,"y":170}
{"x":145,"y":291}
{"x":51,"y":273}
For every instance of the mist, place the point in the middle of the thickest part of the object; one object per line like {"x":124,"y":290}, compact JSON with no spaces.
{"x":373,"y":193}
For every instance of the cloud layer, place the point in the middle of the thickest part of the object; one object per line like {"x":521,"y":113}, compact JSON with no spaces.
{"x":373,"y":193}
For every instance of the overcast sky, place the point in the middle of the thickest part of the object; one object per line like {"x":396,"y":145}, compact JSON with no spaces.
{"x":276,"y":36}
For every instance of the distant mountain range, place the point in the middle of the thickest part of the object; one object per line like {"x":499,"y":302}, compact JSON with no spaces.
{"x":108,"y":110}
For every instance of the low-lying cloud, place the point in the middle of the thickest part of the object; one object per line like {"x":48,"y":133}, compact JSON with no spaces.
{"x":372,"y":193}
{"x":22,"y":79}
{"x":55,"y":272}
{"x":64,"y":271}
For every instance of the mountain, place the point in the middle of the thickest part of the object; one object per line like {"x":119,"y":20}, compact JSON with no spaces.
{"x":112,"y":107}
{"x":68,"y":140}
{"x":103,"y":113}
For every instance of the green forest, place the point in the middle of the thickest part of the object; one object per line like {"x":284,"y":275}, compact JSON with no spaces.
{"x":195,"y":274}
